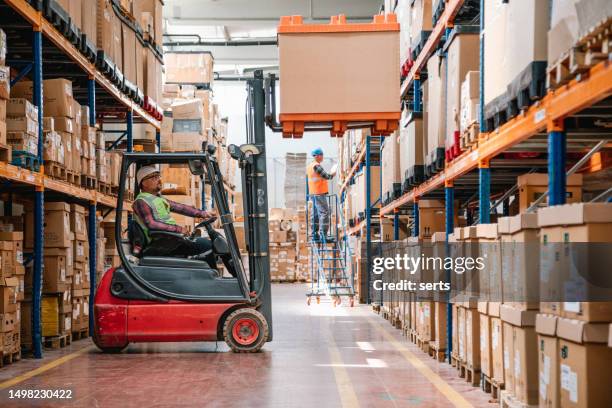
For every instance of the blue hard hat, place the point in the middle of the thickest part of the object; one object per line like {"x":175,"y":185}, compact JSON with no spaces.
{"x":317,"y":152}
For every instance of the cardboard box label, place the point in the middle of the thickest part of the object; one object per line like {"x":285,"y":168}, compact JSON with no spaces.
{"x":569,"y":382}
{"x":543,"y":385}
{"x":517,"y":363}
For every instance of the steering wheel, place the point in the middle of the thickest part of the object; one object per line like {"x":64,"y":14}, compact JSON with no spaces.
{"x":204,"y":224}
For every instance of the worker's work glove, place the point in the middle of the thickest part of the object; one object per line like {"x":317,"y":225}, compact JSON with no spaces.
{"x":208,"y":214}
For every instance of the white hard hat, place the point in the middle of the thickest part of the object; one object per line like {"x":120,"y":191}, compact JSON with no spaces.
{"x":145,"y":172}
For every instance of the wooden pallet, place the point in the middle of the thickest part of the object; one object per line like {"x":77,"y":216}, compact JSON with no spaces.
{"x":88,"y":182}
{"x":25,"y":160}
{"x":55,"y":170}
{"x":80,"y":334}
{"x":492,"y":387}
{"x":5,"y":153}
{"x":73,"y":177}
{"x":591,"y":49}
{"x":469,"y":137}
{"x":455,"y":361}
{"x":436,"y":352}
{"x":104,"y":188}
{"x":55,"y":342}
{"x":422,"y":344}
{"x":9,"y":358}
{"x":507,"y":400}
{"x":471,"y":374}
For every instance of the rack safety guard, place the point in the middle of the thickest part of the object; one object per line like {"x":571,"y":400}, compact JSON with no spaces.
{"x":339,"y":74}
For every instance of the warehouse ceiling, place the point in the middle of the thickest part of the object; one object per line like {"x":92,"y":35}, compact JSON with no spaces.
{"x":206,"y":21}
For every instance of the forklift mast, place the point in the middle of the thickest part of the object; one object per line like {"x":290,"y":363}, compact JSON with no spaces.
{"x":255,"y":195}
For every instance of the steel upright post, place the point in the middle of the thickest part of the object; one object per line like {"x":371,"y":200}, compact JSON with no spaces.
{"x":449,"y":203}
{"x":91,"y":99}
{"x":484,"y":192}
{"x":39,"y":197}
{"x":557,"y":148}
{"x":368,"y":217}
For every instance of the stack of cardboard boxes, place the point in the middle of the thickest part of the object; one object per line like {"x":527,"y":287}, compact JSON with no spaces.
{"x":131,"y":45}
{"x":80,"y":277}
{"x":572,"y":330}
{"x":12,"y":274}
{"x":5,"y":86}
{"x":302,"y":248}
{"x":180,"y":186}
{"x":22,"y":126}
{"x":282,"y":240}
{"x":58,"y":269}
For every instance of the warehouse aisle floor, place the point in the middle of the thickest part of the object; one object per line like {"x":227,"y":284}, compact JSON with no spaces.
{"x":321,"y":357}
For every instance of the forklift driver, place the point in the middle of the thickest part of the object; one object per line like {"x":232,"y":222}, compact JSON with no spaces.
{"x":153,"y":213}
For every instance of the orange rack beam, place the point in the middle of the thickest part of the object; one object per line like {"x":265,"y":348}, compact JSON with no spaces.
{"x":579,"y":94}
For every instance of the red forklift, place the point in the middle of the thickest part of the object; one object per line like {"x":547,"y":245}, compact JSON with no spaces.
{"x":155,"y":298}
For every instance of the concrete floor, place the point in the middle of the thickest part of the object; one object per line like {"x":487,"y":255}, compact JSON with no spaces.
{"x":321,"y":357}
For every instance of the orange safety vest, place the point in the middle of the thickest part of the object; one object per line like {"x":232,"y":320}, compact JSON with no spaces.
{"x":316,"y":184}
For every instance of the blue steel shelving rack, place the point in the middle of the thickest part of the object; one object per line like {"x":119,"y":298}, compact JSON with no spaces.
{"x":43,"y":31}
{"x":547,"y":116}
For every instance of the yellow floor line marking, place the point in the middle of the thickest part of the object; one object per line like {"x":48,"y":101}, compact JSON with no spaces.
{"x":55,"y":363}
{"x":449,"y":392}
{"x":348,"y":397}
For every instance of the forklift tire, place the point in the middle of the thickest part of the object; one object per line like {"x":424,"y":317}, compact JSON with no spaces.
{"x":245,"y":331}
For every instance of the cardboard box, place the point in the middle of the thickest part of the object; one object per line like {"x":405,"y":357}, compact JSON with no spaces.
{"x":278,"y":236}
{"x":486,"y":349}
{"x":462,"y":57}
{"x":187,"y":142}
{"x":533,"y":185}
{"x":20,"y":107}
{"x":580,"y":367}
{"x":189,"y":109}
{"x":54,"y":274}
{"x":189,"y":68}
{"x":508,"y":346}
{"x":8,"y":294}
{"x":525,"y":366}
{"x":326,"y":86}
{"x":497,"y":350}
{"x":21,"y":124}
{"x":436,"y":121}
{"x":78,"y":223}
{"x":548,"y":371}
{"x":7,"y":323}
{"x":57,"y":233}
{"x":412,"y":141}
{"x":5,"y":82}
{"x":57,"y":96}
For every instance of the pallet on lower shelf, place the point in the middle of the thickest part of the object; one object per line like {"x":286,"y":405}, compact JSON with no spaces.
{"x":471,"y":374}
{"x":80,"y":334}
{"x":25,"y":160}
{"x":455,"y":361}
{"x":5,"y":153}
{"x":469,"y":137}
{"x":55,"y":342}
{"x":423,"y":344}
{"x":104,"y":188}
{"x":73,"y":177}
{"x":436,"y":352}
{"x":55,"y":170}
{"x":492,"y":387}
{"x":9,"y":358}
{"x":507,"y":400}
{"x":89,"y":182}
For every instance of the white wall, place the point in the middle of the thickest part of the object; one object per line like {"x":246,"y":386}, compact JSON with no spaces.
{"x":231,"y":97}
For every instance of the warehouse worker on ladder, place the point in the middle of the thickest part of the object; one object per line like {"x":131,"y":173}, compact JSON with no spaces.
{"x":318,"y":190}
{"x":153,"y":212}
